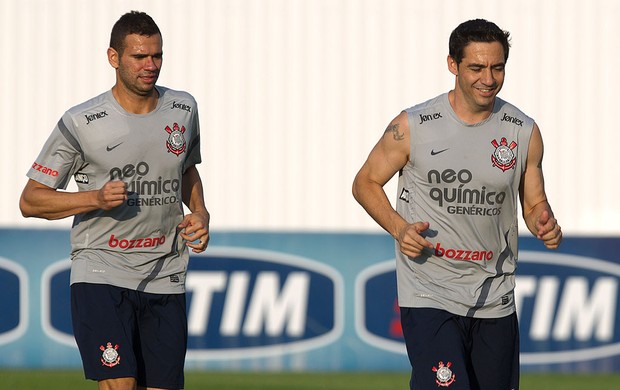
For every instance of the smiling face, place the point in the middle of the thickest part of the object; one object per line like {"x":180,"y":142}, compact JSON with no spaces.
{"x":479,"y":78}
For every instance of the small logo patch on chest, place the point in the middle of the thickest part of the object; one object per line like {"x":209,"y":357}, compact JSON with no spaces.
{"x":176,"y":140}
{"x":504,"y":156}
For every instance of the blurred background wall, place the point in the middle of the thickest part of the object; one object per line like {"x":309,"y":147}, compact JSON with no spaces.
{"x":293,"y":94}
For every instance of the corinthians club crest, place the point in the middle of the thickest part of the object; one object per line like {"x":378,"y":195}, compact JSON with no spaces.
{"x":176,"y":140}
{"x":445,"y":376}
{"x":504,"y":157}
{"x":110,"y":356}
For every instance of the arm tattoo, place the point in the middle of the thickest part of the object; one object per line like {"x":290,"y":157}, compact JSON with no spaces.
{"x":398,"y":136}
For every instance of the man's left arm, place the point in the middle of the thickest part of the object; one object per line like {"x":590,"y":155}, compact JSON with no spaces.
{"x":537,"y":212}
{"x":195,"y":226}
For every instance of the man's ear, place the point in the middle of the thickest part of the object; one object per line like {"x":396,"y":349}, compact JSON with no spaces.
{"x":113,"y":58}
{"x":453,"y":67}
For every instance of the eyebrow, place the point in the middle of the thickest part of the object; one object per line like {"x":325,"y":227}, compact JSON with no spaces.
{"x":478,"y":65}
{"x":158,"y":54}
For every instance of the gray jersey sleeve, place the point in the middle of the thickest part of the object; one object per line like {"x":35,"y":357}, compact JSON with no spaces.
{"x":60,"y":157}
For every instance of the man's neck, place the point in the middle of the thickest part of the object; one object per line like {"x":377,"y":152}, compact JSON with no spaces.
{"x":133,"y":103}
{"x":467,"y":112}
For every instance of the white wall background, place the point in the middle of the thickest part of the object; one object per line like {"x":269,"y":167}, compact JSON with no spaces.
{"x":293,"y":94}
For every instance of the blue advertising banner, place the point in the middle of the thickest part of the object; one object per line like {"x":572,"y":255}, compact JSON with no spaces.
{"x":315,"y":302}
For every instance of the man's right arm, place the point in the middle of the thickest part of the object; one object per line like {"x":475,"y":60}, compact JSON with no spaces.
{"x":41,"y":201}
{"x":388,"y":157}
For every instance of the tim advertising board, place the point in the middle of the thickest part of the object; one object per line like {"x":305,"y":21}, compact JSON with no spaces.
{"x":240,"y":303}
{"x":248,"y":303}
{"x":13,"y":301}
{"x":567,"y":307}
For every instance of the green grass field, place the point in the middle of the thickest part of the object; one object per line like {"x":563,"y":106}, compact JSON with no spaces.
{"x":67,"y":380}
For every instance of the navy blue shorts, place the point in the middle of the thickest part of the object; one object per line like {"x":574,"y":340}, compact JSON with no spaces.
{"x":455,"y":352}
{"x":125,"y":333}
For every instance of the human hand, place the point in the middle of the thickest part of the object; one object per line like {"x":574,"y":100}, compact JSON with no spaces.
{"x":195,"y":230}
{"x":411,"y":241}
{"x":548,"y":230}
{"x":112,"y":194}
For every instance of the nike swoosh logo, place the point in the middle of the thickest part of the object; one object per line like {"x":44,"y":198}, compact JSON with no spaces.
{"x":110,"y":148}
{"x":433,"y":152}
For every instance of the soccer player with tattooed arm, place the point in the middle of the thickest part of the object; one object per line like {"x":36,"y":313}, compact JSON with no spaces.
{"x":464,"y":160}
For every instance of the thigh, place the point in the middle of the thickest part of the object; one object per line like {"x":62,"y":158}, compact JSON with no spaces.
{"x":163,"y":340}
{"x":437,"y":349}
{"x":117,"y":383}
{"x":104,"y":329}
{"x":495,"y":353}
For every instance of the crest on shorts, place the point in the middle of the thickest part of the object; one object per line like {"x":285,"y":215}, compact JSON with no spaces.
{"x":504,"y":157}
{"x":176,"y":140}
{"x":445,"y":376}
{"x":110,"y":356}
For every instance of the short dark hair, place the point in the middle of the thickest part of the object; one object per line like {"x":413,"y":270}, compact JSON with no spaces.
{"x":134,"y":22}
{"x":476,"y":30}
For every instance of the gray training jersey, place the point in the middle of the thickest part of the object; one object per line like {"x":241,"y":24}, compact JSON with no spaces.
{"x":135,"y":245}
{"x":464,"y":180}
